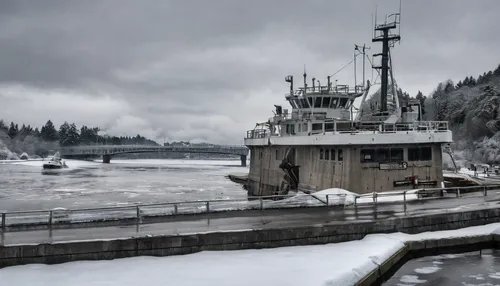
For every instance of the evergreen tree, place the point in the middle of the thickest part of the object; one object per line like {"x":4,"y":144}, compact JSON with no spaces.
{"x":72,"y":136}
{"x":442,"y":110}
{"x":459,"y":84}
{"x":421,"y":99}
{"x":472,"y":81}
{"x":3,"y":127}
{"x":480,"y":79}
{"x":12,"y":132}
{"x":439,"y":91}
{"x":489,"y":75}
{"x":49,"y":132}
{"x":63,"y":134}
{"x":466,"y":81}
{"x":497,"y":70}
{"x":449,"y":87}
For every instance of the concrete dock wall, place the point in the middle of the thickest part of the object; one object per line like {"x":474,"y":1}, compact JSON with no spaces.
{"x":234,"y":240}
{"x":428,"y":247}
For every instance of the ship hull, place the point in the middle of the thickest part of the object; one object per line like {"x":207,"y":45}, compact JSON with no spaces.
{"x":348,"y":169}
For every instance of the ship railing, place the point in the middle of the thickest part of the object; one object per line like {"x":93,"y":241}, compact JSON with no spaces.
{"x":257,"y":134}
{"x":154,"y":212}
{"x":342,"y":127}
{"x":324,"y":89}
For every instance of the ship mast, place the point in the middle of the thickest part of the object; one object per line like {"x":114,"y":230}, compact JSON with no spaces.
{"x":382,"y":33}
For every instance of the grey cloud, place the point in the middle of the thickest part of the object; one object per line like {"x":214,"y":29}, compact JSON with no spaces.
{"x":209,"y":70}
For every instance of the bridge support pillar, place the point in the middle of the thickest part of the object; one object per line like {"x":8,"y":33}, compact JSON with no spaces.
{"x":243,"y":160}
{"x":106,"y":159}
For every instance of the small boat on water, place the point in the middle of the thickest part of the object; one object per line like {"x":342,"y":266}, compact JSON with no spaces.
{"x":55,"y":163}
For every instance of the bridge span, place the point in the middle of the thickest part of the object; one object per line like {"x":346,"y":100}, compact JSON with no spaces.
{"x":107,"y":151}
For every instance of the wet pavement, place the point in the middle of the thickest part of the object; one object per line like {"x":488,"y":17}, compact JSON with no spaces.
{"x":245,"y":220}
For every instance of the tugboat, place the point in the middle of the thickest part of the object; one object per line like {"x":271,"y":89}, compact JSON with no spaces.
{"x":55,"y":163}
{"x":321,"y":144}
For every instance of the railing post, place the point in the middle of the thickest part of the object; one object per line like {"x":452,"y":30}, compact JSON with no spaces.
{"x":375,"y":198}
{"x":458,"y":192}
{"x":138,"y":213}
{"x":208,"y":206}
{"x":356,"y":202}
{"x":327,"y":199}
{"x":175,"y":209}
{"x":261,"y":204}
{"x":4,"y":215}
{"x":51,"y":213}
{"x":404,"y":200}
{"x":485,"y":191}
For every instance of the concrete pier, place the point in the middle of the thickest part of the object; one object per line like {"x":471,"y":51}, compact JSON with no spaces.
{"x":106,"y":159}
{"x":278,"y":236}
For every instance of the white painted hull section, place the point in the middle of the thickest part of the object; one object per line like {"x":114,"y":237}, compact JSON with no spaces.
{"x":368,"y":138}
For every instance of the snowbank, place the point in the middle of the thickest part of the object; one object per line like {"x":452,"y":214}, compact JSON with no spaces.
{"x":478,"y":174}
{"x":332,"y":264}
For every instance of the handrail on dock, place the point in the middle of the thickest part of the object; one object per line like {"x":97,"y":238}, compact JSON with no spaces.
{"x":209,"y":206}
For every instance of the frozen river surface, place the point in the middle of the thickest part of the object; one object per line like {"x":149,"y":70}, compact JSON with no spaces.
{"x":23,"y":186}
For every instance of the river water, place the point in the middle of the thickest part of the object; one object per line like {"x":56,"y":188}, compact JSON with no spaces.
{"x":23,"y":186}
{"x":468,"y":269}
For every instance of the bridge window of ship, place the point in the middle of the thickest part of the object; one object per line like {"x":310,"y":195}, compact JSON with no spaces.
{"x":317,"y":102}
{"x":425,"y":154}
{"x":327,"y":154}
{"x":326,"y":102}
{"x":420,"y":154}
{"x":329,"y":127}
{"x":317,"y":127}
{"x":341,"y":155}
{"x":367,"y":155}
{"x":334,"y":103}
{"x":413,"y":154}
{"x":343,"y":102}
{"x":321,"y":154}
{"x":397,"y":154}
{"x":310,"y":101}
{"x":332,"y":152}
{"x":382,"y":155}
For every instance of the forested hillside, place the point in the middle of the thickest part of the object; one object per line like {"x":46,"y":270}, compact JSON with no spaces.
{"x":472,"y":107}
{"x":15,"y":140}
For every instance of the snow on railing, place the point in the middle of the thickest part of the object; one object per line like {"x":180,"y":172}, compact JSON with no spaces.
{"x":136,"y":213}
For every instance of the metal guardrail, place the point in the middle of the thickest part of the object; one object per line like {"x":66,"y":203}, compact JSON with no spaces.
{"x":361,"y":127}
{"x":138,"y":212}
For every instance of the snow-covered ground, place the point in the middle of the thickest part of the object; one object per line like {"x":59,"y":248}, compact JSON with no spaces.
{"x":340,"y":264}
{"x":468,"y":172}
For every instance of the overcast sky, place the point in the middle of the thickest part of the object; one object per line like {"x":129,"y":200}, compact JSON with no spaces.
{"x":209,"y":70}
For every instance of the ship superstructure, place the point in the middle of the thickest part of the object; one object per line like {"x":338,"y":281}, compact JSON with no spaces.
{"x":321,"y":144}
